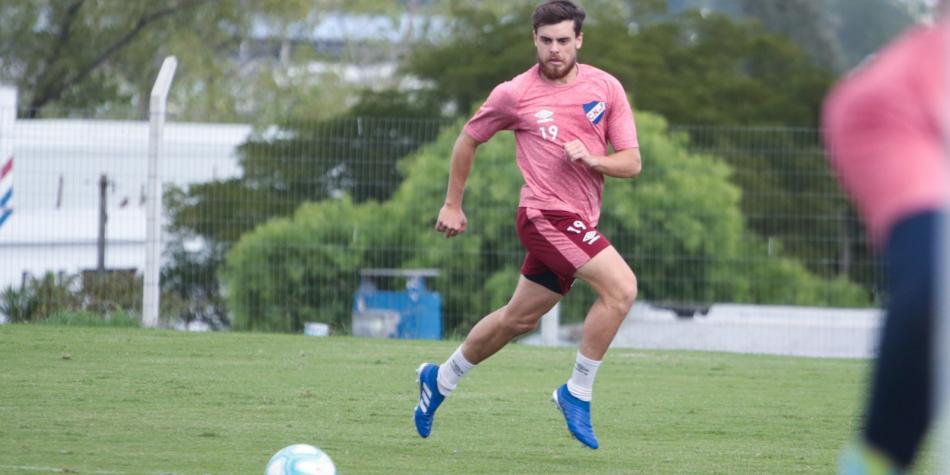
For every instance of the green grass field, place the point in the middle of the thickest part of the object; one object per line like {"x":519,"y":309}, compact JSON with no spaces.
{"x":132,"y":401}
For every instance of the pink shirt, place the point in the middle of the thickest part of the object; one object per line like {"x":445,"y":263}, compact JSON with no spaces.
{"x":592,"y":108}
{"x":884,"y":127}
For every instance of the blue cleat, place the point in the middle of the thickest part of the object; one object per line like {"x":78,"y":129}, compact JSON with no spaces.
{"x":429,"y":397}
{"x":577,"y":414}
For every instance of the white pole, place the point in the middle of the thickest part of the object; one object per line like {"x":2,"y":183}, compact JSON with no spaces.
{"x":550,"y":326}
{"x":153,"y":240}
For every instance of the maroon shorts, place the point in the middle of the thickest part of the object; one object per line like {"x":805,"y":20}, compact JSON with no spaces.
{"x":557,"y":244}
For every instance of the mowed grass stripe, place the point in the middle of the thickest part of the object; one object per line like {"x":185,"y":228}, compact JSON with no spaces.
{"x":148,"y":401}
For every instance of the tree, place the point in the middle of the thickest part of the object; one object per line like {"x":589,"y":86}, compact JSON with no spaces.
{"x":836,"y":34}
{"x":806,"y":22}
{"x":102,"y":56}
{"x":863,"y":27}
{"x":692,"y":69}
{"x":283,"y":167}
{"x":300,"y":161}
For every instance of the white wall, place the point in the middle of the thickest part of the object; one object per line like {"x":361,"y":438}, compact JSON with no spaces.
{"x":757,"y":329}
{"x":41,"y":237}
{"x":82,"y":150}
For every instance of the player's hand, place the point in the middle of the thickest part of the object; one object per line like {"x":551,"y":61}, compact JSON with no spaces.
{"x":452,"y":221}
{"x":577,"y":152}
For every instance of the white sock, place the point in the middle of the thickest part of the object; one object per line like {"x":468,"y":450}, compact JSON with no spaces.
{"x":581,"y":384}
{"x":452,"y":371}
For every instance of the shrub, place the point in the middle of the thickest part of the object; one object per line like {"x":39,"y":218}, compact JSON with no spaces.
{"x":92,"y":319}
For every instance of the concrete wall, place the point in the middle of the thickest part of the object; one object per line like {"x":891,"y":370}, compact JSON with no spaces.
{"x":758,"y":329}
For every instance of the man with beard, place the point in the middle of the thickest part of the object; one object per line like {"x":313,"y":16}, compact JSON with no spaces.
{"x":885,"y":129}
{"x":564,"y":115}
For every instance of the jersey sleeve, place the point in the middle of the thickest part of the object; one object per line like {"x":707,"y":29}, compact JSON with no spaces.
{"x":621,"y":128}
{"x":498,"y":112}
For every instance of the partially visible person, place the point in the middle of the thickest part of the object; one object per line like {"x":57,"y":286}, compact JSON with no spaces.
{"x":885,"y":126}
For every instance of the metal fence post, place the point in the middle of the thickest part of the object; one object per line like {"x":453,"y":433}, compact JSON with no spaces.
{"x":153,"y":240}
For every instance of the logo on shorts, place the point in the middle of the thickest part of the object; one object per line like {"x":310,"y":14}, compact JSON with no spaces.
{"x":544,"y":116}
{"x":590,"y":237}
{"x":595,"y":111}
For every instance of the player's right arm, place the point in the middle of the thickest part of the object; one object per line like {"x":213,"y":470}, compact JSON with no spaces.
{"x":452,"y":219}
{"x":497,"y":113}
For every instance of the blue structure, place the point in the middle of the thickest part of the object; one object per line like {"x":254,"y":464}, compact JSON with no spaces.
{"x":414,"y":313}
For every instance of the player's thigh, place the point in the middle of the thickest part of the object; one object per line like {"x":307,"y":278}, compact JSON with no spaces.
{"x":531,"y":300}
{"x":608,"y":273}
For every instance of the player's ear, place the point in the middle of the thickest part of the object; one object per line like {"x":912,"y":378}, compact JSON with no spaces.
{"x":580,"y":40}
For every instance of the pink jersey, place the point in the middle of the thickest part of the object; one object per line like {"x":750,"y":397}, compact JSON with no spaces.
{"x":592,"y":108}
{"x":885,"y":128}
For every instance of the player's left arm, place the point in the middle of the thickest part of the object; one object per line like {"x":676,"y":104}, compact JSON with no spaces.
{"x":622,"y":135}
{"x":622,"y":164}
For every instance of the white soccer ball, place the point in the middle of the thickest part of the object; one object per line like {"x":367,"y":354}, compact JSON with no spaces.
{"x":300,"y":459}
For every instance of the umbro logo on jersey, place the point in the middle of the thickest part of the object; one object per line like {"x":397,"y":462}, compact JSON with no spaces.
{"x":595,"y":111}
{"x":544,"y":115}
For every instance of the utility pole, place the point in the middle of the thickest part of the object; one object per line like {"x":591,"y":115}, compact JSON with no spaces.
{"x":103,"y":217}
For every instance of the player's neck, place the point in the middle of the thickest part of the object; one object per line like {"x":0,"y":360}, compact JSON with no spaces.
{"x":566,"y":79}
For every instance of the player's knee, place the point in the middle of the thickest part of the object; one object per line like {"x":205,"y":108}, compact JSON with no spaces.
{"x":520,"y":327}
{"x":518,"y":324}
{"x":624,"y":295}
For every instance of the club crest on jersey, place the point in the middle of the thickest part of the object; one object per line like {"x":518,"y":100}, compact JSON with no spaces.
{"x":595,"y":111}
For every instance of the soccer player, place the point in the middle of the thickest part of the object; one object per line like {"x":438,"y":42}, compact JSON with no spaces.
{"x":885,"y":126}
{"x":563,"y":115}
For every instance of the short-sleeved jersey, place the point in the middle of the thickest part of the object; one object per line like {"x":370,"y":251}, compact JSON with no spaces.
{"x":544,"y":116}
{"x":884,"y":128}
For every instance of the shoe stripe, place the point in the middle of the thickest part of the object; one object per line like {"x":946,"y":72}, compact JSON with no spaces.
{"x":424,"y":402}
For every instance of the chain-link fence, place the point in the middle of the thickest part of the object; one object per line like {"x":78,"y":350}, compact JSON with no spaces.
{"x":273,"y":227}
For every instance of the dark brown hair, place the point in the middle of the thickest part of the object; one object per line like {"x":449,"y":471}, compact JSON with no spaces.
{"x":553,"y":12}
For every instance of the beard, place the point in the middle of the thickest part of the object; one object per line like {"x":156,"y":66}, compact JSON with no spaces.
{"x":553,"y":72}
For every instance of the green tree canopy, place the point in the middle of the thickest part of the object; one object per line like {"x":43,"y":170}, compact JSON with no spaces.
{"x":692,"y":69}
{"x":102,"y":56}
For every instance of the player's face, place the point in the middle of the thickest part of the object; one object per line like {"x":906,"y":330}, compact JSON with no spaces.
{"x":557,"y":47}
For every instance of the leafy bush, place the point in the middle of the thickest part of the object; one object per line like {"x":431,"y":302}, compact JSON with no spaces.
{"x":92,"y":319}
{"x":190,"y":288}
{"x":293,"y":270}
{"x":40,"y":297}
{"x":17,"y":304}
{"x":87,"y":297}
{"x":111,"y":291}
